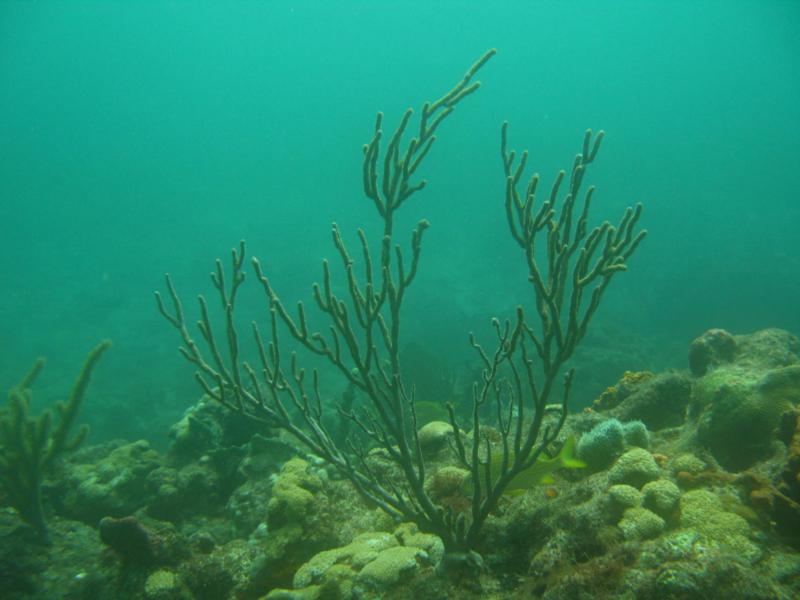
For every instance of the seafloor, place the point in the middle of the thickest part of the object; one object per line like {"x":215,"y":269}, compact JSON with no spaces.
{"x":691,"y":490}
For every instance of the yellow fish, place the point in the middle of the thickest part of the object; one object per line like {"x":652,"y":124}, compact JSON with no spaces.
{"x":539,"y":472}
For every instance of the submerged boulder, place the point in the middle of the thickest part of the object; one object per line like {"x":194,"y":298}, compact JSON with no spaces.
{"x":372,"y":564}
{"x":636,"y":467}
{"x":658,"y":401}
{"x":738,"y":405}
{"x":109,"y":485}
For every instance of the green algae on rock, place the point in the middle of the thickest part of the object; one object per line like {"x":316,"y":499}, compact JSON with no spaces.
{"x":738,"y":404}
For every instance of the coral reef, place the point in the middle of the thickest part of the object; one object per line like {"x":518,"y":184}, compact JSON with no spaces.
{"x":108,"y":483}
{"x":739,"y":403}
{"x":666,"y":520}
{"x":129,"y":538}
{"x":372,"y":564}
{"x":713,"y":348}
{"x":659,"y":401}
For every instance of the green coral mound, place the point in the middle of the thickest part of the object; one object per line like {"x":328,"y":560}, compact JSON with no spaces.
{"x":702,"y":511}
{"x":639,"y":523}
{"x":373,"y":562}
{"x":636,"y":467}
{"x":29,"y":445}
{"x":740,"y":410}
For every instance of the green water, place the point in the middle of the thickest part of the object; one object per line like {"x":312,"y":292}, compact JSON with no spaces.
{"x":140,"y":138}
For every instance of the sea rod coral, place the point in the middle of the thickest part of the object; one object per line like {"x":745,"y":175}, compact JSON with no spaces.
{"x":520,"y":371}
{"x":29,"y":445}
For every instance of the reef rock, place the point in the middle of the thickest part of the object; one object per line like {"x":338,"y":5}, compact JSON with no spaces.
{"x":738,"y":405}
{"x":367,"y":567}
{"x":659,"y":401}
{"x":111,"y":486}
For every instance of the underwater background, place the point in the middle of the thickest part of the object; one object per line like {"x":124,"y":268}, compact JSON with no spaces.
{"x":144,"y":138}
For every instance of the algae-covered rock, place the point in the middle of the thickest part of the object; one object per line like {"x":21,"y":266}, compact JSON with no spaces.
{"x":781,"y":385}
{"x":373,"y":563}
{"x":165,"y":585}
{"x":767,"y":349}
{"x":246,"y":506}
{"x":409,"y":535}
{"x":299,"y":524}
{"x":71,"y":566}
{"x":739,"y":411}
{"x":257,"y":471}
{"x":129,"y":538}
{"x":618,"y":499}
{"x":638,"y":523}
{"x":688,"y":463}
{"x":447,"y":482}
{"x":636,"y":467}
{"x":738,"y":402}
{"x":622,"y":497}
{"x":391,"y":567}
{"x":176,"y":494}
{"x":293,"y":494}
{"x":310,"y":593}
{"x":702,"y":511}
{"x":227,"y":572}
{"x":113,"y":486}
{"x":661,"y":496}
{"x":713,"y":348}
{"x":434,"y":437}
{"x":636,"y":434}
{"x":673,"y":546}
{"x":265,"y":456}
{"x":762,"y":350}
{"x":658,"y":401}
{"x":361,"y":551}
{"x":208,"y":426}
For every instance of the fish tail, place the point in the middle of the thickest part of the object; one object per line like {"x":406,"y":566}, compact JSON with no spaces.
{"x":567,"y":455}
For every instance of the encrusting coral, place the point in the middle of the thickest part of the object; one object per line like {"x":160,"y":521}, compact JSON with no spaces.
{"x":29,"y":445}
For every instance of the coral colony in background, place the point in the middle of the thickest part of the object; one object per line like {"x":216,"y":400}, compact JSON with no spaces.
{"x":682,"y":484}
